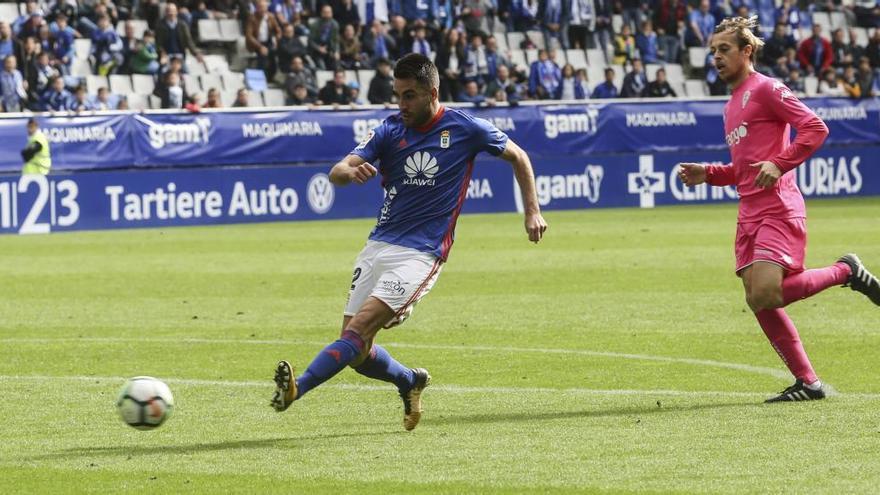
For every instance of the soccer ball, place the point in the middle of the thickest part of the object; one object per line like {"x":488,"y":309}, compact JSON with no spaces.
{"x":145,"y":402}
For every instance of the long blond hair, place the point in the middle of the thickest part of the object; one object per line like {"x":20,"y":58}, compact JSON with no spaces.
{"x":743,"y":27}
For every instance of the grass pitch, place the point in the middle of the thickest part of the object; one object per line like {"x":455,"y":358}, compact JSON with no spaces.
{"x":616,"y":356}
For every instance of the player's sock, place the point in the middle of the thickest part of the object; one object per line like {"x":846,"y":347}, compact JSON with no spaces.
{"x":807,"y":283}
{"x":815,"y":385}
{"x":784,"y":337}
{"x":381,"y":366}
{"x":330,"y":361}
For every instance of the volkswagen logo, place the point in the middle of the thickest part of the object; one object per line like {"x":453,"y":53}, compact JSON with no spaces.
{"x":320,"y":194}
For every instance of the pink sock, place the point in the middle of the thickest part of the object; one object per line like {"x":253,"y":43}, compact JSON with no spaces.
{"x":805,"y":284}
{"x":784,"y":338}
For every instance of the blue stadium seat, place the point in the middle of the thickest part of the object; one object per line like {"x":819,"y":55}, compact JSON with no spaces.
{"x":255,"y":80}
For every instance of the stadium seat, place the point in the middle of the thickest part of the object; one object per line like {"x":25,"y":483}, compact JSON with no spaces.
{"x":142,"y":84}
{"x":595,"y":75}
{"x":861,"y":36}
{"x":232,"y":81}
{"x":82,"y":48}
{"x":811,"y":85}
{"x":351,"y":75}
{"x":274,"y":97}
{"x":501,"y":41}
{"x":577,"y":58}
{"x":365,"y":77}
{"x":838,"y":21}
{"x":616,"y":22}
{"x":209,"y":31}
{"x":227,"y":98}
{"x":193,"y":66}
{"x":138,"y":102}
{"x":120,"y":84}
{"x":678,"y":87}
{"x":216,"y":63}
{"x":255,"y":79}
{"x":8,"y":11}
{"x":192,"y":83}
{"x":322,"y":76}
{"x":138,"y":25}
{"x":596,"y":58}
{"x":255,"y":99}
{"x":824,"y":20}
{"x":531,"y":56}
{"x":697,"y":56}
{"x":94,"y":82}
{"x":674,"y":72}
{"x":537,"y":38}
{"x":230,"y":30}
{"x":210,"y":80}
{"x":651,"y":70}
{"x":515,"y":39}
{"x":695,"y":88}
{"x":80,"y":67}
{"x":518,"y":58}
{"x":155,"y":101}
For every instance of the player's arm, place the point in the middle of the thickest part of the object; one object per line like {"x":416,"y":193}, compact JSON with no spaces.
{"x":692,"y":174}
{"x":525,"y":177}
{"x":811,"y":133}
{"x":350,"y":169}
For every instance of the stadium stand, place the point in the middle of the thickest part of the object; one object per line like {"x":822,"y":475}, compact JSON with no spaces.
{"x":229,"y":59}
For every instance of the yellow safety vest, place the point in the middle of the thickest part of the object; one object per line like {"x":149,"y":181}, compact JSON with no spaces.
{"x":41,"y":162}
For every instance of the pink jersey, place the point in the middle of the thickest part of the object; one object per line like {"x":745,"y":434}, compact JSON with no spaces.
{"x":757,"y":123}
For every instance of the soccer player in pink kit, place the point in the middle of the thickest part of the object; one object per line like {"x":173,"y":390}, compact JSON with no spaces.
{"x":771,"y":230}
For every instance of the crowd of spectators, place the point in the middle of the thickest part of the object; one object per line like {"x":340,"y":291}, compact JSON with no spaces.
{"x":289,"y":40}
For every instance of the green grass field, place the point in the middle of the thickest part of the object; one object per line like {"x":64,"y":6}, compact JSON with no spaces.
{"x":616,"y":356}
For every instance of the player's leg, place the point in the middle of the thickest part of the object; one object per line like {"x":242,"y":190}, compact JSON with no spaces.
{"x":759,"y":281}
{"x":810,"y":282}
{"x":407,"y":276}
{"x":350,"y":346}
{"x":378,"y":364}
{"x":287,"y":384}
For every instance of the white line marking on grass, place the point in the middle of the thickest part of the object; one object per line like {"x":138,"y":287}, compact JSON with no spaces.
{"x":453,"y":389}
{"x":776,"y":373}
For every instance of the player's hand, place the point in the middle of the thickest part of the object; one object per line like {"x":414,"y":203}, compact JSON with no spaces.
{"x":691,"y":174}
{"x":535,"y":226}
{"x":362,"y":173}
{"x":768,"y":174}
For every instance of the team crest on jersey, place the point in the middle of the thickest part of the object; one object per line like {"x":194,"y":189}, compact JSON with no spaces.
{"x":444,"y":139}
{"x":746,"y":97}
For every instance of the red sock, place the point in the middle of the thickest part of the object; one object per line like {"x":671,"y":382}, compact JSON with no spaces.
{"x":784,"y":338}
{"x":805,"y":284}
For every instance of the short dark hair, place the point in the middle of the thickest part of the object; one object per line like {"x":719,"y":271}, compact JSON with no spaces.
{"x":419,"y":67}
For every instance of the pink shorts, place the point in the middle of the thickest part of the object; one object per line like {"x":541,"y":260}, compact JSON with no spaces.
{"x":782,"y":241}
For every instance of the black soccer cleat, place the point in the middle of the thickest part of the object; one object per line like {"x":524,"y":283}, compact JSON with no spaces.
{"x":798,"y":392}
{"x":412,"y":399}
{"x":861,"y":279}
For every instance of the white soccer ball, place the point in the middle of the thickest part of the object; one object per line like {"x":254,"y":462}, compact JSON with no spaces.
{"x":145,"y":402}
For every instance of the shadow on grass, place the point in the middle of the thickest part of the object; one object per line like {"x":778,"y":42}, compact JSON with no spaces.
{"x":197,"y":448}
{"x":510,"y":417}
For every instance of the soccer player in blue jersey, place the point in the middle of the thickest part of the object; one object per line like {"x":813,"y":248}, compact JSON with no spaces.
{"x":425,"y":156}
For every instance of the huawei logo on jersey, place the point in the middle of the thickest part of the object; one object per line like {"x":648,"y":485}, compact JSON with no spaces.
{"x":420,"y":169}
